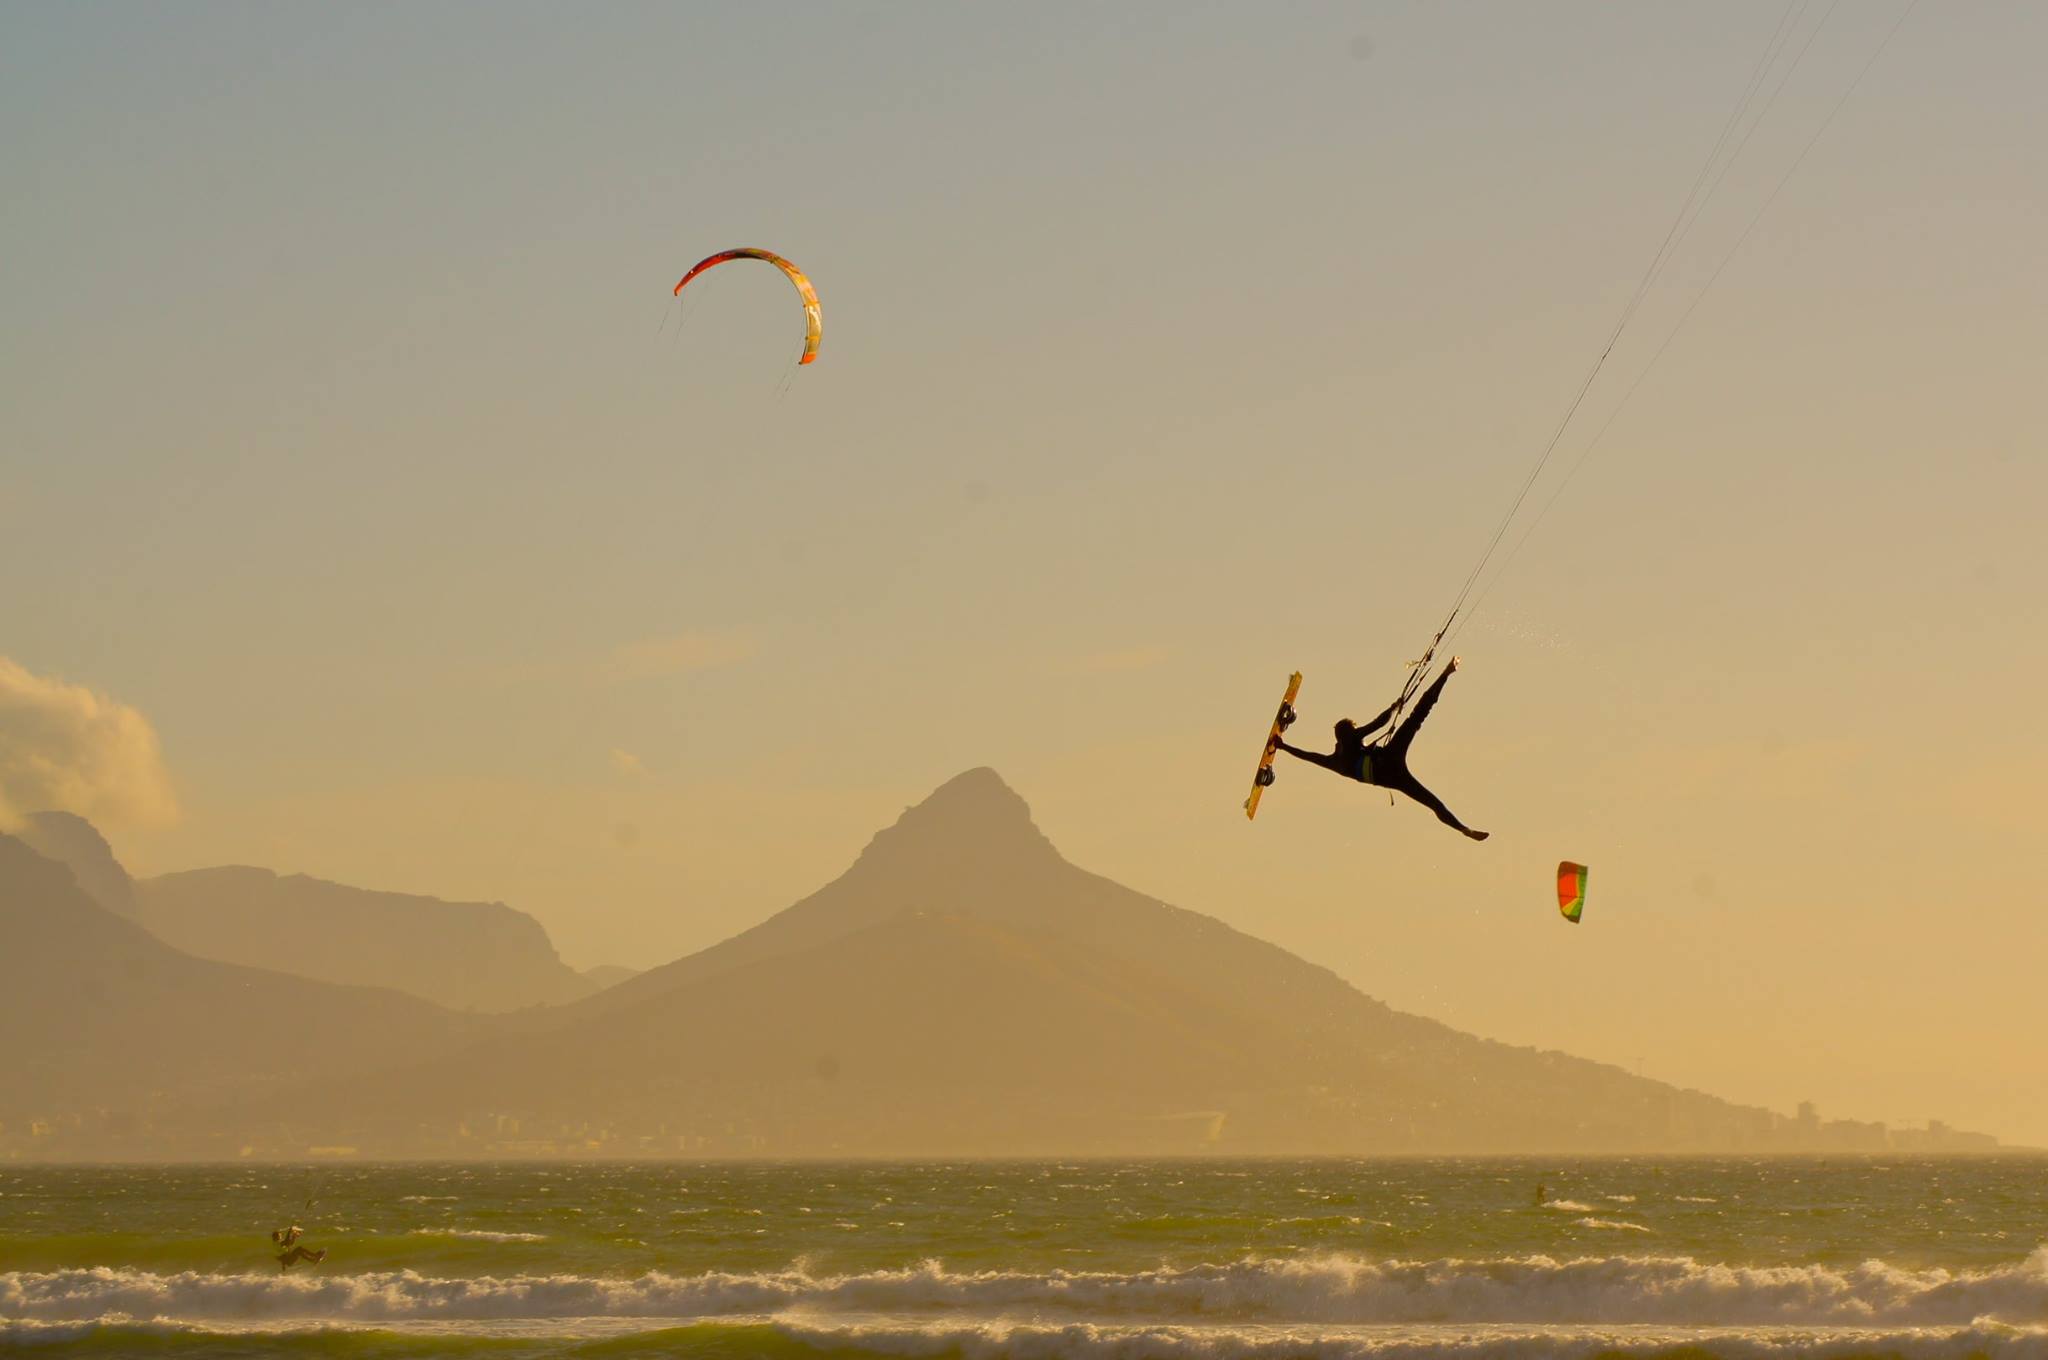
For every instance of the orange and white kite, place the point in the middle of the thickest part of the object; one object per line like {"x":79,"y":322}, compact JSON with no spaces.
{"x":814,"y":323}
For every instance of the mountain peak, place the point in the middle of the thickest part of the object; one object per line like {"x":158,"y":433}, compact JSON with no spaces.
{"x":974,"y":822}
{"x":979,"y":788}
{"x":975,"y":801}
{"x":78,"y":845}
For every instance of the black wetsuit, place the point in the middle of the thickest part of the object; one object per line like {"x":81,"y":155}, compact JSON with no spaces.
{"x":1385,"y":765}
{"x":293,"y":1253}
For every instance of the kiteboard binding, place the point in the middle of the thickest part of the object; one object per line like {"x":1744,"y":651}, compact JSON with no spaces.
{"x":1282,"y":720}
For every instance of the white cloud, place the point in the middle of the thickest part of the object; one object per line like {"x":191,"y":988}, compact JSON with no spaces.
{"x":66,"y":748}
{"x":683,"y":654}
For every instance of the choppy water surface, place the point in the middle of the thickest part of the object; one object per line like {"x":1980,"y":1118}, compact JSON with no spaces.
{"x":1271,"y":1258}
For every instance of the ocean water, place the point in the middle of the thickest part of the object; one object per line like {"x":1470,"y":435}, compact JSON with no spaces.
{"x":1404,"y":1258}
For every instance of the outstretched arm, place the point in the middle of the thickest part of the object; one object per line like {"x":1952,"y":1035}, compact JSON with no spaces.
{"x":1377,"y":723}
{"x":1312,"y":757}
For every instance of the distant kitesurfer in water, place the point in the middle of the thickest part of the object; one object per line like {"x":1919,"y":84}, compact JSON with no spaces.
{"x":1541,"y":1193}
{"x":1385,"y":764}
{"x":293,"y":1253}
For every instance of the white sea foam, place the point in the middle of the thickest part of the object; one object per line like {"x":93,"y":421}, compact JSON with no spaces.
{"x":480,"y":1234}
{"x":1335,"y":1290}
{"x":1085,"y":1341}
{"x":1613,"y":1224}
{"x":1568,"y":1206}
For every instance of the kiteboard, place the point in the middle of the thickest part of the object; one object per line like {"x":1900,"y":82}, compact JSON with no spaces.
{"x":1281,"y":720}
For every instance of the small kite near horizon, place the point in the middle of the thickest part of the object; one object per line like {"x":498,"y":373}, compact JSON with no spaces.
{"x":1571,"y":890}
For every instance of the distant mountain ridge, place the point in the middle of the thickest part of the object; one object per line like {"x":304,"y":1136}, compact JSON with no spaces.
{"x":960,"y":990}
{"x":102,"y":1021}
{"x":482,"y":956}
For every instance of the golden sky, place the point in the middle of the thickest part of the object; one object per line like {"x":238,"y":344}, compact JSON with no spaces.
{"x":350,"y":441}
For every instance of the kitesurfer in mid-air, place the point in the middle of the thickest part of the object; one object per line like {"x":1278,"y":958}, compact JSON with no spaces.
{"x":1385,"y":764}
{"x":293,"y":1253}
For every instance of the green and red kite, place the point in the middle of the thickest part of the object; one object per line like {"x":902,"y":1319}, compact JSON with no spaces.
{"x":1571,"y":890}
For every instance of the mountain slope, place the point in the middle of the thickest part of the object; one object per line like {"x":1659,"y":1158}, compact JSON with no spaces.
{"x":971,"y":847}
{"x":96,"y":1014}
{"x":606,"y":975}
{"x":963,"y":990}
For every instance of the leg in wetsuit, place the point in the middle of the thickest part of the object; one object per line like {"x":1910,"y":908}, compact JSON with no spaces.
{"x":1404,"y":736}
{"x":1390,"y":768}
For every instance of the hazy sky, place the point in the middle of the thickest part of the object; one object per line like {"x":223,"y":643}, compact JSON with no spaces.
{"x":1167,"y":349}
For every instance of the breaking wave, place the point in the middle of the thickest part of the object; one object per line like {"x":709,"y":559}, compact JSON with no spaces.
{"x":789,"y":1339}
{"x":1324,"y":1290}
